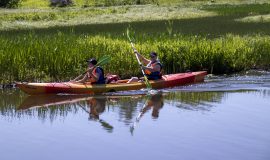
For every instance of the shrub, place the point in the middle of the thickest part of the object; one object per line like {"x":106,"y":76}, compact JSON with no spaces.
{"x":9,"y":3}
{"x":61,"y":3}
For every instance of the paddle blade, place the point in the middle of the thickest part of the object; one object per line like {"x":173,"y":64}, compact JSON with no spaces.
{"x":128,"y":35}
{"x":147,"y":83}
{"x":104,"y":60}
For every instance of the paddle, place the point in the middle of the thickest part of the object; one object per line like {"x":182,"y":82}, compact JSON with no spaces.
{"x":139,"y":116}
{"x":146,"y":81}
{"x":102,"y":61}
{"x":150,"y":97}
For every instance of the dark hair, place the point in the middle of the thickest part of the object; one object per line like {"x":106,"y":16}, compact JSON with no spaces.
{"x":153,"y":53}
{"x":93,"y":61}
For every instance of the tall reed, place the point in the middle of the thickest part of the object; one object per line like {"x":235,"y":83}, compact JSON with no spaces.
{"x":60,"y":57}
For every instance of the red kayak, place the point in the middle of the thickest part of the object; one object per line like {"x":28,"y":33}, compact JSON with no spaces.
{"x":170,"y":80}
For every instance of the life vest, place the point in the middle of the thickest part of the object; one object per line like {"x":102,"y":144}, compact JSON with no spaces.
{"x":101,"y":79}
{"x":153,"y":75}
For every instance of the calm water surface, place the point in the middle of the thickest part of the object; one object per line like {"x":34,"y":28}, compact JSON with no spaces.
{"x":225,"y":118}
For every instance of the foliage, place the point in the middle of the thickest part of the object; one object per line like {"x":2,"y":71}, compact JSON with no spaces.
{"x":61,"y":56}
{"x":10,"y":3}
{"x":61,"y":3}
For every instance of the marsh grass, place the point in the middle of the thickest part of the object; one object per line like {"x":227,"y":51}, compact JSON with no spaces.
{"x":62,"y":56}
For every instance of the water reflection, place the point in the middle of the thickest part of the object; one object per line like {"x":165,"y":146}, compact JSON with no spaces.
{"x":50,"y":106}
{"x":97,"y":106}
{"x":14,"y":105}
{"x":154,"y":102}
{"x":199,"y":101}
{"x":248,"y":80}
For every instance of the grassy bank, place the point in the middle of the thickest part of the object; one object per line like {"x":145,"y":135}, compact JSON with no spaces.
{"x":51,"y":44}
{"x":35,"y":18}
{"x":62,"y":56}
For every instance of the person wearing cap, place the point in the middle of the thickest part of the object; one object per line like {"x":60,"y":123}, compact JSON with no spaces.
{"x":94,"y":74}
{"x":152,"y":69}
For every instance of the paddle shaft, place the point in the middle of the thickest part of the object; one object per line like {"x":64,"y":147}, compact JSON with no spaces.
{"x":104,"y":60}
{"x":139,"y":116}
{"x":138,"y":59}
{"x":148,"y":85}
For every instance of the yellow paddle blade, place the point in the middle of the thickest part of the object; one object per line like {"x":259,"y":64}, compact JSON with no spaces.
{"x":128,"y":35}
{"x":147,"y":83}
{"x":104,"y":60}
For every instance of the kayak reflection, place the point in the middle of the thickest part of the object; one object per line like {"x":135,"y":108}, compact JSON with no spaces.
{"x":95,"y":105}
{"x":51,"y":106}
{"x":50,"y":100}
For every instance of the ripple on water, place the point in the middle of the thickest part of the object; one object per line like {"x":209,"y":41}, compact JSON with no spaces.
{"x":250,"y":80}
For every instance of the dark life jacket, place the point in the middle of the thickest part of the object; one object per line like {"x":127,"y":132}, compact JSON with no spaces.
{"x":101,"y":79}
{"x":154,"y":75}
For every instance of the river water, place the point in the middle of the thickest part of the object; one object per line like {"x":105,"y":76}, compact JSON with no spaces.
{"x":225,"y":118}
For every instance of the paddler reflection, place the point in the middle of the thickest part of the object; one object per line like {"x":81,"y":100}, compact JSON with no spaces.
{"x":97,"y":106}
{"x":154,"y":102}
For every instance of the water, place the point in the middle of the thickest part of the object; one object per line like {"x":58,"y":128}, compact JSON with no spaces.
{"x":227,"y":117}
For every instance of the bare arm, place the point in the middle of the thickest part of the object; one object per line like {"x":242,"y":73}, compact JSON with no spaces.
{"x":77,"y":79}
{"x":96,"y":77}
{"x":84,"y":79}
{"x":142,"y":58}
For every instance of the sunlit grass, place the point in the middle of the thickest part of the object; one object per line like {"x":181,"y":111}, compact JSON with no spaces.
{"x":35,"y":4}
{"x":255,"y":19}
{"x":238,"y":9}
{"x":50,"y":17}
{"x":43,"y":18}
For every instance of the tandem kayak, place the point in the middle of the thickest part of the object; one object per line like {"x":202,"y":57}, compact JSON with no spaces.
{"x":167,"y":81}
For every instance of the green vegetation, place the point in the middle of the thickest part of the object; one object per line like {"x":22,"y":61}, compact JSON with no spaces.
{"x":9,"y":3}
{"x":52,"y":44}
{"x":61,"y":56}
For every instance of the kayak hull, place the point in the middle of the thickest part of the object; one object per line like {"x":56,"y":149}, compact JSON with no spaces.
{"x":167,"y":81}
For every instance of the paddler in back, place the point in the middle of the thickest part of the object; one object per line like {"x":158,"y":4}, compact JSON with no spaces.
{"x":152,"y":69}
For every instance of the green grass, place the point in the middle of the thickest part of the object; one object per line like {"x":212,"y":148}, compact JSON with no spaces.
{"x":52,"y":44}
{"x":62,"y":56}
{"x":35,"y":4}
{"x":44,"y":18}
{"x":238,"y":10}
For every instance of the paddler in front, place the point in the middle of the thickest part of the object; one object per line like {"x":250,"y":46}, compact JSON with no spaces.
{"x":97,"y":106}
{"x":152,"y":69}
{"x":94,"y":74}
